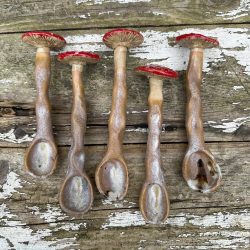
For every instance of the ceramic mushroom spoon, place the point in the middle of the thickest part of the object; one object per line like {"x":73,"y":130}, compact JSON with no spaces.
{"x":200,"y":169}
{"x":154,"y":202}
{"x":112,"y":175}
{"x":41,"y":156}
{"x":76,"y":194}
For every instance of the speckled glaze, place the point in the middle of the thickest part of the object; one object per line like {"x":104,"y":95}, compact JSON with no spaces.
{"x":154,"y":201}
{"x":41,"y":156}
{"x":112,"y":174}
{"x":200,"y":169}
{"x":76,"y":194}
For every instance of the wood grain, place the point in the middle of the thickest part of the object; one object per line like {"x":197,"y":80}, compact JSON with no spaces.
{"x":33,"y":203}
{"x":19,"y":16}
{"x":225,"y":90}
{"x":30,"y":216}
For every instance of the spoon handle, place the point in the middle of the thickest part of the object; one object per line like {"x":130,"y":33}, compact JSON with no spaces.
{"x":43,"y":108}
{"x":117,"y":119}
{"x":78,"y":120}
{"x":194,"y":123}
{"x":153,"y":154}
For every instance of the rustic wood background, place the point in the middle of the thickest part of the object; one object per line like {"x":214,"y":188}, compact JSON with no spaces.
{"x":30,"y":217}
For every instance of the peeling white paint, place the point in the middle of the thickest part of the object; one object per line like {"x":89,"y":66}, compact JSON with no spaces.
{"x":223,"y":239}
{"x":141,"y":130}
{"x":50,"y":215}
{"x":238,"y":87}
{"x":6,"y":215}
{"x":106,"y":12}
{"x":156,"y":47}
{"x":118,"y":204}
{"x":106,"y":113}
{"x":124,"y":219}
{"x":9,"y":187}
{"x":230,"y":126}
{"x":19,"y":236}
{"x":23,"y":237}
{"x":92,"y":2}
{"x":70,"y":226}
{"x":5,"y":81}
{"x":239,"y":219}
{"x":138,"y":112}
{"x":11,"y":137}
{"x":157,"y":50}
{"x":158,"y":13}
{"x":242,"y":10}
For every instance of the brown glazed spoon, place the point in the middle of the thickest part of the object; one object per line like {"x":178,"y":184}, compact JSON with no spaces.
{"x":154,"y":202}
{"x":112,"y":174}
{"x":200,"y":169}
{"x":76,"y":195}
{"x":41,"y":156}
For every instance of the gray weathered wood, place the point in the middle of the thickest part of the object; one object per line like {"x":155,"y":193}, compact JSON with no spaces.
{"x":30,"y":216}
{"x":225,"y":91}
{"x":33,"y":204}
{"x":71,"y":14}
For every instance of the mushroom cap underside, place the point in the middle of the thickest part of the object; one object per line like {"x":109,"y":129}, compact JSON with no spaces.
{"x":192,"y":40}
{"x":42,"y":39}
{"x":123,"y":37}
{"x":80,"y":57}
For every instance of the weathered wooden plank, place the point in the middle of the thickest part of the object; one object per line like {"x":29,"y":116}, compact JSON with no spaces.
{"x":225,"y":89}
{"x":231,"y":156}
{"x":30,"y":217}
{"x":18,"y":131}
{"x":125,"y":229}
{"x":52,"y":15}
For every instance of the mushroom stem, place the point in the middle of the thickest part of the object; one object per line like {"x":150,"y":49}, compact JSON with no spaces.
{"x":194,"y":123}
{"x":43,"y":108}
{"x":153,"y":154}
{"x":117,"y":120}
{"x":78,"y":119}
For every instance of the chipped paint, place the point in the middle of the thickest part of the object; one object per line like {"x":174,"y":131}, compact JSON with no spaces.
{"x":157,"y":49}
{"x":242,"y":10}
{"x":70,"y":226}
{"x":18,"y":237}
{"x":118,"y":204}
{"x":106,"y":12}
{"x":124,"y":219}
{"x":238,"y":87}
{"x":224,"y":239}
{"x":230,"y":126}
{"x":16,"y":234}
{"x":11,"y":137}
{"x":141,"y":130}
{"x":50,"y":215}
{"x":92,"y":2}
{"x":5,"y":81}
{"x":12,"y":183}
{"x":219,"y":220}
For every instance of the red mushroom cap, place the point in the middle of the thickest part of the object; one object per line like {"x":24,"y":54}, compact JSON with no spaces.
{"x":44,"y":39}
{"x":156,"y":71}
{"x":196,"y":40}
{"x":123,"y":37}
{"x":78,"y":57}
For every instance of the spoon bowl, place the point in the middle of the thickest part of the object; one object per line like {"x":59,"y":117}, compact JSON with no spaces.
{"x":76,"y":196}
{"x":112,"y":179}
{"x":201,"y":171}
{"x":41,"y":158}
{"x":154,"y":203}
